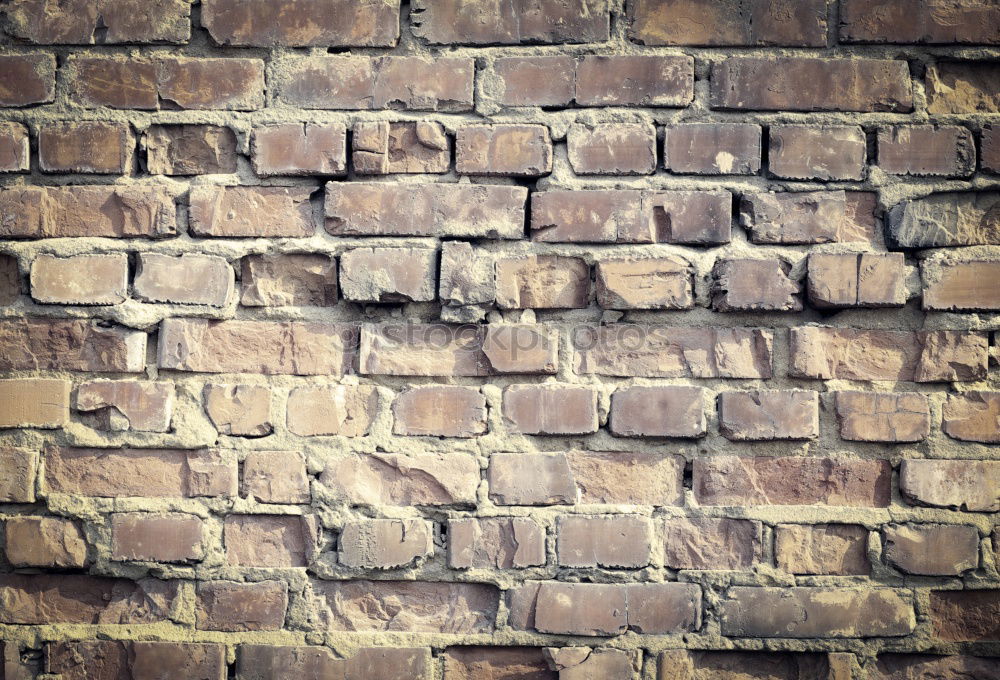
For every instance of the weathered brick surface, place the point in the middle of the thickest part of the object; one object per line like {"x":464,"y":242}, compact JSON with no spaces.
{"x":880,"y":417}
{"x":292,"y":149}
{"x":120,"y":405}
{"x":653,"y":283}
{"x":962,"y":87}
{"x":347,"y":410}
{"x":549,"y":21}
{"x":712,"y":148}
{"x":403,"y":479}
{"x":237,"y":607}
{"x":754,"y":285}
{"x":536,"y":81}
{"x":970,"y":485}
{"x":156,"y":538}
{"x":517,"y":150}
{"x":384,"y":148}
{"x":80,"y":280}
{"x":823,"y":153}
{"x":709,"y":543}
{"x":634,"y":81}
{"x":972,"y":416}
{"x":14,"y":148}
{"x":69,"y":345}
{"x":190,"y":150}
{"x":923,"y":150}
{"x":857,"y":280}
{"x":724,"y":22}
{"x":669,"y":411}
{"x":946,"y":219}
{"x":766,"y":415}
{"x":240,"y":410}
{"x":186,"y":280}
{"x":835,"y":549}
{"x":445,"y":411}
{"x":42,"y":403}
{"x":612,"y":149}
{"x":245,"y":212}
{"x":44,"y":542}
{"x":27,"y":79}
{"x":932,"y":549}
{"x":609,"y":541}
{"x":907,"y":21}
{"x":288,"y":280}
{"x":968,"y":615}
{"x":962,"y":286}
{"x":500,"y":542}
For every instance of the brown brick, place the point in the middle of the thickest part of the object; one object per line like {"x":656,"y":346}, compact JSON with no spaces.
{"x":663,"y":411}
{"x":384,"y":148}
{"x":913,"y":21}
{"x":239,"y":410}
{"x":388,"y":275}
{"x":190,"y":149}
{"x":946,"y":219}
{"x":266,"y":662}
{"x":517,"y":150}
{"x":635,"y":81}
{"x":70,"y":345}
{"x":79,"y":22}
{"x":81,"y":279}
{"x":385,"y":543}
{"x":427,"y":607}
{"x":681,"y":664}
{"x":14,"y":149}
{"x":102,"y":148}
{"x":299,"y":23}
{"x":989,"y":152}
{"x":439,"y":411}
{"x":18,"y":471}
{"x":495,"y":543}
{"x":531,"y":479}
{"x":345,"y":410}
{"x":542,"y":282}
{"x":45,"y":599}
{"x":103,"y":211}
{"x":269,"y":540}
{"x":969,"y":485}
{"x":10,"y":279}
{"x":811,"y":84}
{"x":44,"y":542}
{"x":851,"y":354}
{"x":474,"y":663}
{"x":712,"y":148}
{"x":178,"y":659}
{"x":205,"y":346}
{"x":763,"y":415}
{"x":973,"y":416}
{"x":727,"y":22}
{"x":921,"y":150}
{"x":449,"y":22}
{"x":34,"y":402}
{"x":966,"y":615}
{"x":536,"y":81}
{"x":904,"y":666}
{"x":147,"y":473}
{"x":365,"y":83}
{"x":580,"y":663}
{"x":766,"y":480}
{"x":300,"y":149}
{"x":249,"y":212}
{"x":961,"y":286}
{"x":711,"y":543}
{"x":817,"y":612}
{"x":275,"y":477}
{"x":424,"y":210}
{"x":118,"y":83}
{"x":877,"y":417}
{"x":793,"y":217}
{"x":550,"y":409}
{"x":288,"y":280}
{"x":742,"y":285}
{"x":672,"y":352}
{"x":231,"y":84}
{"x":403,"y":479}
{"x":239,"y":607}
{"x":931,"y":549}
{"x":121,"y":405}
{"x":187,"y":279}
{"x":817,"y":152}
{"x":27,"y":79}
{"x":686,"y":217}
{"x":612,"y":149}
{"x":646,"y":283}
{"x":156,"y":538}
{"x":624,"y":478}
{"x":611,"y":541}
{"x":825,"y":549}
{"x":857,"y":280}
{"x":87,"y":660}
{"x":110,"y":659}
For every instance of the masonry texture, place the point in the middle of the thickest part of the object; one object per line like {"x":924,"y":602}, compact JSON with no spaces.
{"x":499,"y":339}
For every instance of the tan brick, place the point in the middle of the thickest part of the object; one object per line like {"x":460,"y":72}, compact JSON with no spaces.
{"x":646,"y":80}
{"x":440,"y":411}
{"x":300,"y":149}
{"x":611,"y":541}
{"x":857,"y":280}
{"x":403,"y":479}
{"x":388,"y":274}
{"x":542,"y":282}
{"x":550,"y":409}
{"x":961,"y":286}
{"x":239,"y":410}
{"x":34,"y":402}
{"x":663,"y":411}
{"x":384,"y":148}
{"x":965,"y":615}
{"x":711,"y":543}
{"x":762,"y":415}
{"x":516,"y":150}
{"x":927,"y":150}
{"x":231,"y":84}
{"x":962,"y":87}
{"x":269,"y":540}
{"x":80,"y":279}
{"x":646,"y":283}
{"x":138,"y":536}
{"x":248,"y":212}
{"x":18,"y":471}
{"x":275,"y":477}
{"x":44,"y":542}
{"x":612,"y":149}
{"x":186,"y":279}
{"x":446,"y":22}
{"x":190,"y":149}
{"x":931,"y":549}
{"x":121,"y":405}
{"x":27,"y":79}
{"x":385,"y":543}
{"x":835,"y":152}
{"x":973,"y":416}
{"x":536,"y":81}
{"x":626,"y":478}
{"x":826,"y":549}
{"x":742,"y":285}
{"x":723,"y":22}
{"x":531,"y":479}
{"x":467,"y":275}
{"x":288,"y":280}
{"x":969,"y":485}
{"x":14,"y":148}
{"x":238,"y":607}
{"x":70,"y":345}
{"x":495,"y":542}
{"x":712,"y":148}
{"x":345,"y":410}
{"x":883,"y":417}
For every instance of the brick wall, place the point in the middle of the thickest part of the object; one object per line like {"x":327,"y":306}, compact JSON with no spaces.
{"x":522,"y":340}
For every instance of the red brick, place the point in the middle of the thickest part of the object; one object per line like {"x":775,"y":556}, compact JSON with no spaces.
{"x":87,"y":660}
{"x":269,"y":540}
{"x":962,"y":87}
{"x":204,"y":346}
{"x":764,"y":480}
{"x":644,"y":283}
{"x":364,"y":83}
{"x":811,"y":84}
{"x":612,"y":541}
{"x":727,"y":22}
{"x":914,"y":21}
{"x":239,"y":607}
{"x":83,"y":22}
{"x":403,"y":479}
{"x":34,"y":402}
{"x":147,"y":473}
{"x":712,"y":148}
{"x":531,"y":479}
{"x":178,"y":659}
{"x":44,"y":542}
{"x":924,"y":356}
{"x":680,"y":664}
{"x":345,"y":410}
{"x":989,"y":151}
{"x":445,"y":22}
{"x":945,"y":220}
{"x":70,"y":345}
{"x":10,"y":278}
{"x":921,"y":150}
{"x":961,"y":286}
{"x":109,"y":660}
{"x":536,"y":81}
{"x":969,"y":485}
{"x":972,"y":416}
{"x":265,"y":662}
{"x":299,"y":23}
{"x":857,"y":280}
{"x":115,"y":82}
{"x":664,"y":411}
{"x":14,"y":149}
{"x":275,"y":477}
{"x":635,"y":81}
{"x":745,"y":285}
{"x":904,"y":666}
{"x":875,"y":417}
{"x":27,"y":79}
{"x":550,"y":409}
{"x":190,"y":149}
{"x":239,"y":410}
{"x":711,"y":543}
{"x":385,"y":148}
{"x":300,"y":149}
{"x":495,"y":542}
{"x":516,"y":150}
{"x":231,"y":84}
{"x":156,"y":538}
{"x":82,"y":279}
{"x":623,"y":478}
{"x":247,"y":212}
{"x":931,"y":549}
{"x":46,"y":599}
{"x":187,"y":279}
{"x":966,"y":615}
{"x":389,"y":275}
{"x":385,"y":543}
{"x":542,"y":282}
{"x":288,"y":280}
{"x":18,"y":472}
{"x":826,"y":549}
{"x":794,"y":217}
{"x":102,"y":148}
{"x":817,"y":152}
{"x":439,"y":411}
{"x":612,"y":149}
{"x":763,"y":415}
{"x":127,"y":404}
{"x":474,"y":663}
{"x":424,"y":210}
